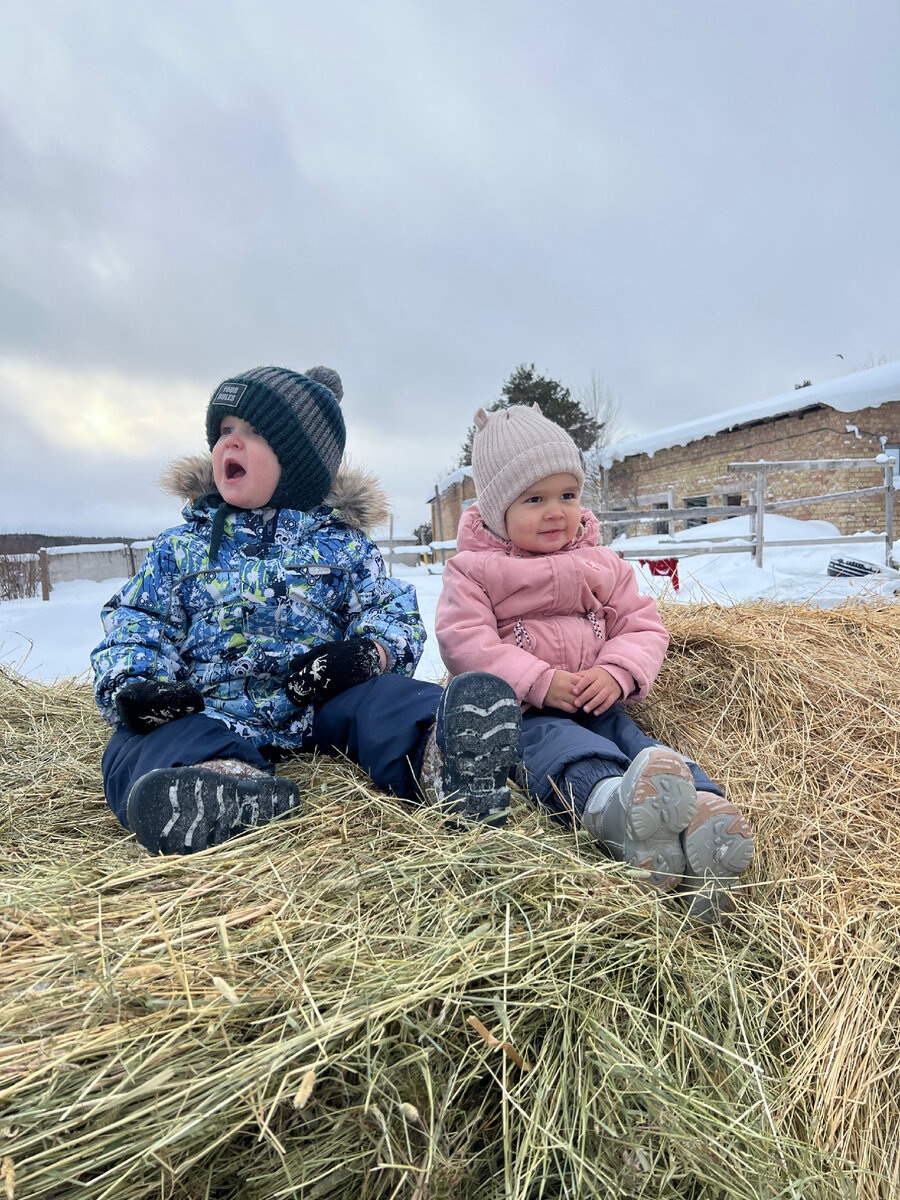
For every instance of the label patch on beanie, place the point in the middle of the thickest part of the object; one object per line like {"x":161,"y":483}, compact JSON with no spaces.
{"x":229,"y":394}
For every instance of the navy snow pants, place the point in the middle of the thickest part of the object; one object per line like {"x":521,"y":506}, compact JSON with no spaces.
{"x":576,"y":751}
{"x":381,"y":724}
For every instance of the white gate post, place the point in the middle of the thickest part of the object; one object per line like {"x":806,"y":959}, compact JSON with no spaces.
{"x":888,"y":513}
{"x":760,"y":507}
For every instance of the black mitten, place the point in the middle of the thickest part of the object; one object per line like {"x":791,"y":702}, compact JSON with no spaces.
{"x":146,"y":704}
{"x":331,"y":669}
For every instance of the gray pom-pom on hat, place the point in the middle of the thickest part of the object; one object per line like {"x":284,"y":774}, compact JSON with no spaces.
{"x":300,"y":418}
{"x":512,"y":449}
{"x":329,"y":377}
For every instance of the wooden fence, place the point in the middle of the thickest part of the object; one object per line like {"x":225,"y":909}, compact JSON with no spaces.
{"x":126,"y":560}
{"x":667,"y":547}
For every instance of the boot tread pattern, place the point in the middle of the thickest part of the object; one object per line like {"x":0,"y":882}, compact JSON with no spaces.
{"x":718,"y":848}
{"x":481,"y":721}
{"x":657,"y":792}
{"x":181,"y":810}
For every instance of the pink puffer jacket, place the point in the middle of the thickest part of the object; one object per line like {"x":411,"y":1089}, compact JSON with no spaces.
{"x":523,"y":616}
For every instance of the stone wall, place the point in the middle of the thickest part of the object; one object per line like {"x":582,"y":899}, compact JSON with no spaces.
{"x":701,"y":467}
{"x":94,"y":562}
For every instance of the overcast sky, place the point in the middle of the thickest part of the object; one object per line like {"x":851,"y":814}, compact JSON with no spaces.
{"x":694,"y":202}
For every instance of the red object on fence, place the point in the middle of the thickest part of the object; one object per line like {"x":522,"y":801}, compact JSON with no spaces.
{"x":662,"y":566}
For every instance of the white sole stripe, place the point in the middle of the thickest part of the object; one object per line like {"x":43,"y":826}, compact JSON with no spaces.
{"x":198,"y":799}
{"x":485,"y":712}
{"x":495,"y":729}
{"x":176,"y":809}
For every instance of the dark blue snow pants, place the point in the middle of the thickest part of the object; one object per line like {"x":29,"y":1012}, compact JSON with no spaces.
{"x":576,"y":751}
{"x":381,"y":724}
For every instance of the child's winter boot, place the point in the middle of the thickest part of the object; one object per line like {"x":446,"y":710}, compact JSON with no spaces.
{"x":472,"y":749}
{"x":181,"y":810}
{"x":639,"y":816}
{"x":718,"y":847}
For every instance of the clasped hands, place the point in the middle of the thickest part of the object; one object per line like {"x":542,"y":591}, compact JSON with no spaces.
{"x":594,"y":691}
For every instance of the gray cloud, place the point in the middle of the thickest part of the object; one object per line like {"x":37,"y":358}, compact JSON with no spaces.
{"x":695,"y":202}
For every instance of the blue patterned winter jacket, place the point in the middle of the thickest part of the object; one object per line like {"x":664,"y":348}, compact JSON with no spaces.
{"x":281,"y":582}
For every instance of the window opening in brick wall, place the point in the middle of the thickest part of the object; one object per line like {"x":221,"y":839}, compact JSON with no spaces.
{"x":661,"y":526}
{"x":733,"y":500}
{"x":695,"y":502}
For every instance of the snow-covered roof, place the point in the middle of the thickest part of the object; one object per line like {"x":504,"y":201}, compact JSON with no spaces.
{"x":456,"y":476}
{"x":87,"y":548}
{"x":863,"y":389}
{"x":382,"y":533}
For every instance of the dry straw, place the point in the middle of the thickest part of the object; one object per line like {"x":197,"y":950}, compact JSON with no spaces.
{"x":358,"y":1003}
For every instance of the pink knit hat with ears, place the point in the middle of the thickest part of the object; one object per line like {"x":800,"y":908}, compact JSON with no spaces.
{"x":512,"y":449}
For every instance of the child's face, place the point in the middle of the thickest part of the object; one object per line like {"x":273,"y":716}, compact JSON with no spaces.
{"x":245,"y":467}
{"x":546,"y":515}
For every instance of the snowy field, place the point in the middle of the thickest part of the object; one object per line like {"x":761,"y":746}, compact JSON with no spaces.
{"x":51,"y":640}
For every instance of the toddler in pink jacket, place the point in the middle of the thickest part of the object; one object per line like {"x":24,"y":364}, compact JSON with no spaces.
{"x":533,"y":598}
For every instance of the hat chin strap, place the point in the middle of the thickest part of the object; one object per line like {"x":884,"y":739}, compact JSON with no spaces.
{"x":218,"y":528}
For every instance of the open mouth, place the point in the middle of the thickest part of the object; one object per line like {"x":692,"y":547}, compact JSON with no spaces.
{"x":234,"y":470}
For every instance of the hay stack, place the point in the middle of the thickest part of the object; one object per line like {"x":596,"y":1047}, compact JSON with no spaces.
{"x":356,"y":1003}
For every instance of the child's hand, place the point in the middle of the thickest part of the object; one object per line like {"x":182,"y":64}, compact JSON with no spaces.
{"x":561,"y":692}
{"x":330,"y":669}
{"x":145,"y":704}
{"x":595,"y":690}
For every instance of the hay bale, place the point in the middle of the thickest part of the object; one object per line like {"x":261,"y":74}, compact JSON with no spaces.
{"x":355,"y":1002}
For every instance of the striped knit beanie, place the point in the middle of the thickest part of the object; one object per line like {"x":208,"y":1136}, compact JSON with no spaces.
{"x":512,"y":449}
{"x":299,"y":416}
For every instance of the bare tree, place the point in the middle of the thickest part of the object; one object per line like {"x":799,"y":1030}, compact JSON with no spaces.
{"x":605,"y":407}
{"x":20,"y":576}
{"x":873,"y":360}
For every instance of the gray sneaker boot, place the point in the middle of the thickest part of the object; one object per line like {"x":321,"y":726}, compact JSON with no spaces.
{"x":638,"y":817}
{"x":718,"y":847}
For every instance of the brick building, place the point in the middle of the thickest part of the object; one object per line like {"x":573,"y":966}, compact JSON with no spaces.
{"x":452,"y":496}
{"x":856,"y":416}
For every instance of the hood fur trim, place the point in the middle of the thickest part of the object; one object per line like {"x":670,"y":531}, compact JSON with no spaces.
{"x":355,"y":492}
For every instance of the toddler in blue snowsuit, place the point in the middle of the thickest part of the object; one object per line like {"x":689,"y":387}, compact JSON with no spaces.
{"x":266,"y":624}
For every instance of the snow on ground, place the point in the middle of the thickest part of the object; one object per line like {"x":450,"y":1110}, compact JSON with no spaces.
{"x":789,"y":573}
{"x":51,"y":640}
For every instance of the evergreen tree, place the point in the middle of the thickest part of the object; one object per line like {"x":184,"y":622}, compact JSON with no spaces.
{"x":525,"y":386}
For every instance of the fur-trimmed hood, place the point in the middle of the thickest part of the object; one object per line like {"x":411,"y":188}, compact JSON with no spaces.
{"x":355,"y":492}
